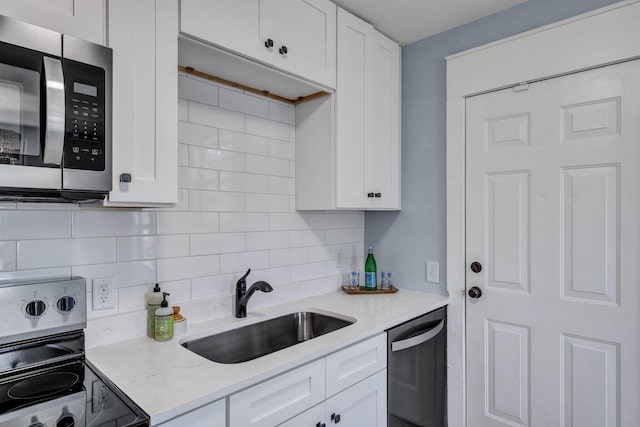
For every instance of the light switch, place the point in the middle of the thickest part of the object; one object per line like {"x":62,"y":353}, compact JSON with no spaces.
{"x":433,"y":272}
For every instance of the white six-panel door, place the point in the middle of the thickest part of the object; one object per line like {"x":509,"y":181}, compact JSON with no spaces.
{"x":553,"y":217}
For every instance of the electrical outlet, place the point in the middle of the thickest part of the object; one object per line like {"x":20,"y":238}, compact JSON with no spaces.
{"x":340,"y":258}
{"x":103,"y":293}
{"x":100,"y":397}
{"x":433,"y":272}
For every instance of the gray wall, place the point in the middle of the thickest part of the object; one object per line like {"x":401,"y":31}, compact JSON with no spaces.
{"x":404,"y":240}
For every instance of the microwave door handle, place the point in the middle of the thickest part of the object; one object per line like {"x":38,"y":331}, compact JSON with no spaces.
{"x":417,"y":339}
{"x":55,"y":111}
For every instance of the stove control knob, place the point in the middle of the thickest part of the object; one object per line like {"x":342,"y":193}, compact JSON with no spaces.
{"x":35,"y":308}
{"x":66,"y":304}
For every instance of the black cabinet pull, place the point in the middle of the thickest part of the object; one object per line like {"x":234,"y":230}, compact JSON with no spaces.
{"x":369,"y":194}
{"x":283,"y":50}
{"x":268,"y":44}
{"x":378,"y":195}
{"x":335,"y":418}
{"x":125,"y":177}
{"x":319,"y":425}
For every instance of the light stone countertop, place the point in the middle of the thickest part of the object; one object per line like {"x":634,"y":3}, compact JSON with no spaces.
{"x":167,"y":380}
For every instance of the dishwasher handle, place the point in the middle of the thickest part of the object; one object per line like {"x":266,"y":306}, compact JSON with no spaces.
{"x":417,"y":339}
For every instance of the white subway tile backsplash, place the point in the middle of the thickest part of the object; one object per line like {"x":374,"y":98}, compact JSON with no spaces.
{"x":244,"y":222}
{"x":236,"y":210}
{"x":266,"y":165}
{"x":288,"y":221}
{"x":207,"y":287}
{"x":216,"y":201}
{"x":244,"y":182}
{"x":187,"y":222}
{"x":307,"y":271}
{"x":282,"y":113}
{"x":190,"y":133}
{"x":212,"y":158}
{"x":282,"y":149}
{"x":8,"y":256}
{"x":65,"y":252}
{"x":240,"y":262}
{"x":245,"y":143}
{"x":124,"y":274}
{"x":180,"y":291}
{"x":291,"y":256}
{"x":196,"y":89}
{"x":280,"y":185}
{"x":267,"y":128}
{"x":241,"y":102}
{"x":151,"y":247}
{"x":217,"y":243}
{"x":307,"y":238}
{"x":106,"y":223}
{"x":183,"y":155}
{"x":19,"y":224}
{"x":170,"y":269}
{"x":266,"y":203}
{"x":197,"y":179}
{"x":257,"y":241}
{"x":216,"y":117}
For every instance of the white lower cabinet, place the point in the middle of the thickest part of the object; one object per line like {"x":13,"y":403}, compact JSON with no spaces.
{"x":211,"y":415}
{"x":363,"y":404}
{"x":353,"y":380}
{"x":278,"y":399}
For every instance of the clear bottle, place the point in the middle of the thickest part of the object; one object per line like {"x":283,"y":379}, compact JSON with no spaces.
{"x":154,"y":298}
{"x":370,"y":272}
{"x":164,"y":320}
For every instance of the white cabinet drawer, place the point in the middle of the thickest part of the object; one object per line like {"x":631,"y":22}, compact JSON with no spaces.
{"x":309,"y":418}
{"x":211,"y":415}
{"x":278,"y":399}
{"x":355,"y":363}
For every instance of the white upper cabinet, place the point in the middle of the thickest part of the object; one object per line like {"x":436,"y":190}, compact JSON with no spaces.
{"x":348,"y":145}
{"x":144,"y":37}
{"x":296,"y":36}
{"x":84,"y":19}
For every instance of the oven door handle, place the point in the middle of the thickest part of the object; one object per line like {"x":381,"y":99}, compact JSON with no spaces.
{"x":417,"y":339}
{"x":55,"y":111}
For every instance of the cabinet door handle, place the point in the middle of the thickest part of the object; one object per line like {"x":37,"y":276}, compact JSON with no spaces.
{"x":125,"y":177}
{"x":335,"y":418}
{"x":369,"y":194}
{"x":378,"y":195}
{"x":268,"y":44}
{"x":283,"y":50}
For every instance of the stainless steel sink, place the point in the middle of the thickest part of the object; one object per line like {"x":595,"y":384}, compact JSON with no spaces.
{"x":259,"y":339}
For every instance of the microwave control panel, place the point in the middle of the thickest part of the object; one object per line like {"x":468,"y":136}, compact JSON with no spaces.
{"x":84,"y":143}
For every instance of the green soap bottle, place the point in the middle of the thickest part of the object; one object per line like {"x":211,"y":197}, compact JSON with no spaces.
{"x":164,"y":320}
{"x":154,"y":298}
{"x":370,"y":272}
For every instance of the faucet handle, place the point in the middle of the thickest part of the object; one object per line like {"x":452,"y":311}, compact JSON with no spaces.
{"x":245,"y":275}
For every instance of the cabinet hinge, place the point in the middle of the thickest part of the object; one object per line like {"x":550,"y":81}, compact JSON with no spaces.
{"x":520,"y":87}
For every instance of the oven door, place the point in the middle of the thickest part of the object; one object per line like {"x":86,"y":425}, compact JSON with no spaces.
{"x":32,"y":106}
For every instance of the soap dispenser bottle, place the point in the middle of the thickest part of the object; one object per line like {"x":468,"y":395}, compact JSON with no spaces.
{"x":164,"y":320}
{"x":154,"y":298}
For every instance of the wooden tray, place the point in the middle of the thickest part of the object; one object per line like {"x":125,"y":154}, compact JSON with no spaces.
{"x":361,"y":291}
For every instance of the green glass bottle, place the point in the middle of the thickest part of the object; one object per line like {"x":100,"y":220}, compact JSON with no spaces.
{"x":370,"y":272}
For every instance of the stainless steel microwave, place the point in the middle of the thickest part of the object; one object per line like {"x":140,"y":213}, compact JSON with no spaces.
{"x":55,"y":115}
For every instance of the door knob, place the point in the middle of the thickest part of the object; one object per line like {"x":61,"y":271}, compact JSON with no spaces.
{"x":476,"y":267}
{"x":475,"y":292}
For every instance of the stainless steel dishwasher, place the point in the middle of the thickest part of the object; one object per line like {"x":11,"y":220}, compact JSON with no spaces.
{"x":416,"y":366}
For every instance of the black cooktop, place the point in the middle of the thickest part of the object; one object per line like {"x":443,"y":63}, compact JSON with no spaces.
{"x":67,"y":395}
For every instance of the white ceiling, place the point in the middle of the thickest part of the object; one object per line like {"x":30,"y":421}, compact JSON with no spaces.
{"x":407,"y":21}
